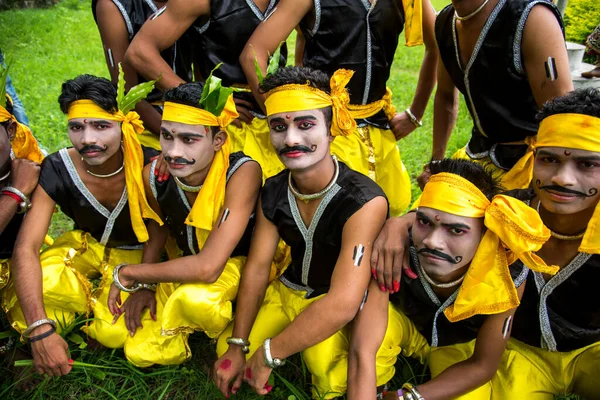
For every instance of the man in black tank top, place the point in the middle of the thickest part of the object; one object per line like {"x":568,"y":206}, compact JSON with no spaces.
{"x":219,"y":28}
{"x":507,"y":58}
{"x":207,"y":204}
{"x":328,"y":214}
{"x":556,"y":335}
{"x":362,"y":36}
{"x":118,"y":22}
{"x":95,"y":183}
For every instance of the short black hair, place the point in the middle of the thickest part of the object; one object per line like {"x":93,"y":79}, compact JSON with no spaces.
{"x":88,"y":87}
{"x":188,"y":94}
{"x":581,"y":101}
{"x":299,"y":76}
{"x":475,"y":173}
{"x":9,"y":108}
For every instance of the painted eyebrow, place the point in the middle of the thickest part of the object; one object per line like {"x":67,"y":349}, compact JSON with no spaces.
{"x":73,"y":123}
{"x":278,"y":119}
{"x":587,"y":158}
{"x":547,"y":153}
{"x":458,"y":225}
{"x":181,"y":134}
{"x":101,"y":121}
{"x":422,"y":215}
{"x":303,"y":117}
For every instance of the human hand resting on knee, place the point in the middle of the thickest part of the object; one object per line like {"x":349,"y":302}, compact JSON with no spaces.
{"x":133,"y":308}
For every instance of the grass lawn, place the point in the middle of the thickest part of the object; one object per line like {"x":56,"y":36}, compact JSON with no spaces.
{"x":51,"y":45}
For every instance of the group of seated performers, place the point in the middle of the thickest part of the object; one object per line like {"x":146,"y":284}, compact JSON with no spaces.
{"x":213,"y":189}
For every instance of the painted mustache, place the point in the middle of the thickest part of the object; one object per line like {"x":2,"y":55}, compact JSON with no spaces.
{"x":91,"y":148}
{"x":304,"y":149}
{"x":179,"y":160}
{"x":439,"y":254}
{"x":592,"y":192}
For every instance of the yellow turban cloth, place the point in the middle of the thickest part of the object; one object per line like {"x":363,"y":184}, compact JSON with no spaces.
{"x":294,"y":97}
{"x":210,"y":200}
{"x":413,"y":22}
{"x":514,"y":230}
{"x":23,"y":144}
{"x":133,"y":159}
{"x":572,"y":131}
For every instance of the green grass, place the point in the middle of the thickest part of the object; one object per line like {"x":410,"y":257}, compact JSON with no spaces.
{"x":52,"y":45}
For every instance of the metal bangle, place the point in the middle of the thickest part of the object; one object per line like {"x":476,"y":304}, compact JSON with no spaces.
{"x":36,"y":324}
{"x":42,"y":336}
{"x":243,"y":343}
{"x":416,"y":122}
{"x":269,"y":359}
{"x":412,"y":390}
{"x":136,"y":286}
{"x":25,"y":203}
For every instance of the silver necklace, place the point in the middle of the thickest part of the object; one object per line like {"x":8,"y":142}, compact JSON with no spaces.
{"x":107,"y":175}
{"x":5,"y":176}
{"x":439,"y":285}
{"x":187,"y":188}
{"x":308,"y":197}
{"x":560,"y":236}
{"x":474,"y":13}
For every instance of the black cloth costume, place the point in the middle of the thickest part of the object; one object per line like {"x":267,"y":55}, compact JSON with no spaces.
{"x":494,"y":83}
{"x":59,"y":179}
{"x":8,"y":237}
{"x":418,"y":301}
{"x":562,"y":314}
{"x":176,"y":207}
{"x":222,"y":38}
{"x":315,"y":249}
{"x":356,"y":35}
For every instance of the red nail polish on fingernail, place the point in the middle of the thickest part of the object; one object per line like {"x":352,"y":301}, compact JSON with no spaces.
{"x":382,"y":288}
{"x":374,"y":274}
{"x":71,"y":361}
{"x":248,"y":373}
{"x":396,"y":286}
{"x":269,"y":388}
{"x":234,"y":390}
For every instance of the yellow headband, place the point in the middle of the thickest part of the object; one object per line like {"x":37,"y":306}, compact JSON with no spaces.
{"x":133,"y":159}
{"x":189,"y":115}
{"x":514,"y":230}
{"x":572,"y":131}
{"x":210,"y":200}
{"x":293,"y":97}
{"x":23,"y":144}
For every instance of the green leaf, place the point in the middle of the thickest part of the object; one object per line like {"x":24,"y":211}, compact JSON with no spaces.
{"x":135,"y":95}
{"x":3,"y":76}
{"x":259,"y":73}
{"x":273,"y":61}
{"x":75,"y":338}
{"x":120,"y":86}
{"x":214,"y":95}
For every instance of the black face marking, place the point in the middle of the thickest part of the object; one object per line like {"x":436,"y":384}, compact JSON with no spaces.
{"x":301,"y":148}
{"x":158,"y":12}
{"x":313,"y":147}
{"x":364,"y":300}
{"x":359,"y":252}
{"x":111,"y":58}
{"x":506,"y":326}
{"x":567,"y":153}
{"x":439,"y":254}
{"x":224,"y":217}
{"x":590,"y":193}
{"x":179,"y":160}
{"x":551,"y":71}
{"x":92,"y":148}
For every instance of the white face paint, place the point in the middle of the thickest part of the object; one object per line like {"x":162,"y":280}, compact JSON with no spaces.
{"x":300,"y":138}
{"x":96,"y":139}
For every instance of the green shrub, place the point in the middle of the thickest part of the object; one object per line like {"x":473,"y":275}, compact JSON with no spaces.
{"x":581,"y":18}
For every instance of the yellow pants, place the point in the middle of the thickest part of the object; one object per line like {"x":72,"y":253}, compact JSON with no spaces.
{"x":67,"y":267}
{"x":527,"y":372}
{"x":149,"y":139}
{"x":328,"y":360}
{"x":181,"y":310}
{"x":369,"y":150}
{"x":486,"y":162}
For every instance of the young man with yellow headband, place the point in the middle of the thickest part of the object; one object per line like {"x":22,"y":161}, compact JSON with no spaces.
{"x":92,"y":183}
{"x":329,"y":215}
{"x":207,"y":205}
{"x":362,"y":36}
{"x":471,"y":247}
{"x":556,"y":335}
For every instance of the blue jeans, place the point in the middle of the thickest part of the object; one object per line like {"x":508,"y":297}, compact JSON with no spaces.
{"x":18,"y":109}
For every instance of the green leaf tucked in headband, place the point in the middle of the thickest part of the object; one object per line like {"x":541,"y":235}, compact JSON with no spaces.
{"x":3,"y":76}
{"x":136,"y":94}
{"x":215,"y":95}
{"x":272,"y":66}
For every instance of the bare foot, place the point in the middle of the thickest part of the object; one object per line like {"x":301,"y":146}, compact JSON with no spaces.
{"x":595,"y":73}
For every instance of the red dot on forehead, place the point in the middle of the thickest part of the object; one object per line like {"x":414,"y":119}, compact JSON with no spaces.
{"x":567,"y":153}
{"x":288,"y":117}
{"x":437,"y":217}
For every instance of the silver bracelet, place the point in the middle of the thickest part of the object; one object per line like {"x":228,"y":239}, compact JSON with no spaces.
{"x":24,"y":205}
{"x":136,"y":286}
{"x":412,"y":392}
{"x":416,"y":122}
{"x":243,"y":343}
{"x":269,"y":360}
{"x":27,"y":333}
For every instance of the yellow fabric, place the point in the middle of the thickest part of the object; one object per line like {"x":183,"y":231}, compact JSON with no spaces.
{"x":68,"y":266}
{"x":24,"y":144}
{"x":514,"y":230}
{"x":149,"y":139}
{"x":572,"y":131}
{"x":360,"y":111}
{"x":210,"y":200}
{"x":4,"y":273}
{"x":293,"y":97}
{"x":133,"y":159}
{"x":374,"y":152}
{"x":413,"y":22}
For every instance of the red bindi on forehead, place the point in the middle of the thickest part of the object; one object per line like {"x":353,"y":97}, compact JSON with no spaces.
{"x":288,"y":117}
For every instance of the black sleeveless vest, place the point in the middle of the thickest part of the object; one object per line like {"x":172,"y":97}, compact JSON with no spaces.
{"x":8,"y":237}
{"x":315,"y":249}
{"x":355,"y":35}
{"x":175,"y":208}
{"x":494,"y":82}
{"x":562,"y":314}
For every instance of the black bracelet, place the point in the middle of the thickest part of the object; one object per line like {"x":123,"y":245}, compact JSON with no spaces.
{"x":42,"y":335}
